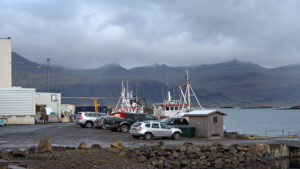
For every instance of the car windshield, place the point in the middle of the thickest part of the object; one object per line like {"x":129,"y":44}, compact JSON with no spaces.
{"x":136,"y":124}
{"x":166,"y":120}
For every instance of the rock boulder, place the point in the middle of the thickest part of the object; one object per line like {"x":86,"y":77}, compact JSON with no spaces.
{"x":44,"y":146}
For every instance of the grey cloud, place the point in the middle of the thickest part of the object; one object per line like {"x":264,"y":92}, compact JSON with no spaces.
{"x":133,"y":33}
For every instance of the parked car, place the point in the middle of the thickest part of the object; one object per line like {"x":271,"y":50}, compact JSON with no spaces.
{"x":175,"y":122}
{"x":151,"y":129}
{"x":99,"y":121}
{"x":87,"y":119}
{"x":109,"y":121}
{"x":124,"y":125}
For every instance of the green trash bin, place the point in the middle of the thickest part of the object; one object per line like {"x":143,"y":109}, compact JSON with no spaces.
{"x":188,"y":132}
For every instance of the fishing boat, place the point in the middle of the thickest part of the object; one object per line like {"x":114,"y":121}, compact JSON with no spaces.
{"x":127,"y":103}
{"x":177,"y":108}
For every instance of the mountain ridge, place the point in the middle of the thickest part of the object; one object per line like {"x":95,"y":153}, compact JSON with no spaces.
{"x":228,"y":83}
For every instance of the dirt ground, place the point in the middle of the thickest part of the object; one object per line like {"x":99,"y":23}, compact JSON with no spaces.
{"x":71,"y":135}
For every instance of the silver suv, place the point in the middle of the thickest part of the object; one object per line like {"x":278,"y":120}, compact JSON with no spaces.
{"x":87,"y":119}
{"x":151,"y":129}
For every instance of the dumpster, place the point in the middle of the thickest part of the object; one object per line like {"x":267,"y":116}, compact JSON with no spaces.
{"x":188,"y":132}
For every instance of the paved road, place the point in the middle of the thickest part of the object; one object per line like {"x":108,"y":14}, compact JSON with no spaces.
{"x":69,"y":134}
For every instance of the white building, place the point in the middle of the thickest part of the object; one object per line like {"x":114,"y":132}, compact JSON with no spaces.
{"x":52,"y":102}
{"x":5,"y":63}
{"x":17,"y":105}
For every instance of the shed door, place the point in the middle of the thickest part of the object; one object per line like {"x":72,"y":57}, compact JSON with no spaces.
{"x":215,"y":126}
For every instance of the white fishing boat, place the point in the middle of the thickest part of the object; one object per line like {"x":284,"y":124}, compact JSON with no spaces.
{"x":127,"y":103}
{"x":177,"y":108}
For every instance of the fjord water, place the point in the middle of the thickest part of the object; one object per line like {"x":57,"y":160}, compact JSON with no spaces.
{"x":257,"y":121}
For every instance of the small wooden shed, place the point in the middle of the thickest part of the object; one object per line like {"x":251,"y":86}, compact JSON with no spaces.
{"x":208,"y":123}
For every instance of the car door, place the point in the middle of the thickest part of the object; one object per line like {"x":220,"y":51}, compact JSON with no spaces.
{"x":165,"y":130}
{"x":155,"y":129}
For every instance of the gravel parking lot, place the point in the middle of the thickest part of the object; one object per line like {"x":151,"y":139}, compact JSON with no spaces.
{"x":70,"y":134}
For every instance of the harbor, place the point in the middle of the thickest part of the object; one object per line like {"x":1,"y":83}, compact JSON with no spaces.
{"x":203,"y":84}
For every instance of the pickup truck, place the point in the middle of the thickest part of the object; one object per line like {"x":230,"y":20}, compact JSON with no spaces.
{"x":123,"y":125}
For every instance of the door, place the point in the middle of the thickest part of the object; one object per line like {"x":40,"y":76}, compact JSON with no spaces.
{"x":155,"y":129}
{"x":165,"y":130}
{"x":215,"y":126}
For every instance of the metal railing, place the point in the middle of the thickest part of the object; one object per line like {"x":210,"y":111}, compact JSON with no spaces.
{"x":281,"y":134}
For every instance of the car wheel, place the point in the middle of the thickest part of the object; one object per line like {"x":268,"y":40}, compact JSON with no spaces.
{"x":176,"y":136}
{"x":88,"y":124}
{"x":136,"y":137}
{"x":147,"y":136}
{"x":124,"y":128}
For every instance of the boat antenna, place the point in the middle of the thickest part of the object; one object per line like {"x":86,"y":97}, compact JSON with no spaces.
{"x":127,"y":90}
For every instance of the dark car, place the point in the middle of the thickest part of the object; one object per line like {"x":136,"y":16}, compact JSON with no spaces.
{"x":175,"y":122}
{"x":99,"y":121}
{"x":124,"y":125}
{"x":109,"y":122}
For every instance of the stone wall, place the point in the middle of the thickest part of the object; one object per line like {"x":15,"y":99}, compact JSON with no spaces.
{"x":157,"y":155}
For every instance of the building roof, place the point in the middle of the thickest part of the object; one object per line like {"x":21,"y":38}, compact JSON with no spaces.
{"x":195,"y":113}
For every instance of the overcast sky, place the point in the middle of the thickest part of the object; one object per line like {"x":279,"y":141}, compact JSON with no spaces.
{"x":84,"y":34}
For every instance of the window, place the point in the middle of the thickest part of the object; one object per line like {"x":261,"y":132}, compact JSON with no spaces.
{"x":53,"y":98}
{"x":177,"y":121}
{"x":172,"y":108}
{"x":166,"y":120}
{"x":129,"y":116}
{"x":164,"y":126}
{"x":185,"y":122}
{"x":147,"y":125}
{"x":167,"y":108}
{"x":215,"y":119}
{"x":136,"y":124}
{"x":149,"y":117}
{"x":155,"y":125}
{"x":176,"y":108}
{"x":140,"y":117}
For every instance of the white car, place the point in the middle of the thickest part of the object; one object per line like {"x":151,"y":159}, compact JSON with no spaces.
{"x":151,"y":129}
{"x":87,"y":119}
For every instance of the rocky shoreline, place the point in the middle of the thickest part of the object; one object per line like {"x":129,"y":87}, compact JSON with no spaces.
{"x":216,"y":155}
{"x":151,"y":155}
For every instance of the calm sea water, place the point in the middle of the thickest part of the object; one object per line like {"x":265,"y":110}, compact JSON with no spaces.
{"x":257,"y":121}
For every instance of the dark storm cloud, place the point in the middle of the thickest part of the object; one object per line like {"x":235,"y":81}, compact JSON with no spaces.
{"x":82,"y":34}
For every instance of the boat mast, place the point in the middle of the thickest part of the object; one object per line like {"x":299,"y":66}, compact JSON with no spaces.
{"x":187,"y":95}
{"x":188,"y":90}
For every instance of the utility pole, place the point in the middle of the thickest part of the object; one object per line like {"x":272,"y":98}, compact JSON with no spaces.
{"x":48,"y":74}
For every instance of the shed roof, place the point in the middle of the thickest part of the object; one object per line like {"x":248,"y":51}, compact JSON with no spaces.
{"x":202,"y":113}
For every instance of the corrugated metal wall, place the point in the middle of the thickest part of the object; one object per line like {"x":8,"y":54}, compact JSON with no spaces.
{"x":17,"y":101}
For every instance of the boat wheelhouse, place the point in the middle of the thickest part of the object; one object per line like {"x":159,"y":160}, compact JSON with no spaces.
{"x":168,"y":108}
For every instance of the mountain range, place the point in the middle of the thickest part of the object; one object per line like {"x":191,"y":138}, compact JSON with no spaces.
{"x":231,"y":83}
